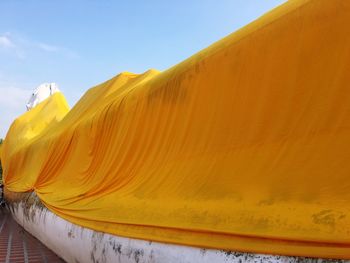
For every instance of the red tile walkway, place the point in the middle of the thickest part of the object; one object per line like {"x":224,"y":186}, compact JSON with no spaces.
{"x":18,"y":246}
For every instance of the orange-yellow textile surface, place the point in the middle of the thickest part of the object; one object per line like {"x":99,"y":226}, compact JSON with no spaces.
{"x":243,"y":146}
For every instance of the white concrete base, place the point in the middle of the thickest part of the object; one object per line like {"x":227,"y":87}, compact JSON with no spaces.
{"x":77,"y":244}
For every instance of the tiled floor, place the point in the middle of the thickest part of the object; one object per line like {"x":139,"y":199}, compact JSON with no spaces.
{"x":18,"y":246}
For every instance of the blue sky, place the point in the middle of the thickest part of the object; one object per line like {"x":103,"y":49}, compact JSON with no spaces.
{"x":79,"y":44}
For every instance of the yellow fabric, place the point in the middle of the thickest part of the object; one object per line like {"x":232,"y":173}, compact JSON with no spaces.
{"x":243,"y":146}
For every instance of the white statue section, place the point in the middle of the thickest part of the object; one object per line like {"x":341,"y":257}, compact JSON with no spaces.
{"x":41,"y":93}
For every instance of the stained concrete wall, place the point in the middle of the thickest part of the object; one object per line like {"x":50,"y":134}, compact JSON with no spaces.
{"x":77,"y":244}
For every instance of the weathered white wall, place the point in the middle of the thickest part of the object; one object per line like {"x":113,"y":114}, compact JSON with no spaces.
{"x":77,"y":244}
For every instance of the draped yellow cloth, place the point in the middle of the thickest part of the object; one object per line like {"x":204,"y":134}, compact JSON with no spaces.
{"x":243,"y":146}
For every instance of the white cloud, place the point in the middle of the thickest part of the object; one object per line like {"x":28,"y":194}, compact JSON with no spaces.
{"x":13,"y":98}
{"x":55,"y":49}
{"x":48,"y":48}
{"x":20,"y":46}
{"x":6,"y":42}
{"x":9,"y":46}
{"x":12,"y":105}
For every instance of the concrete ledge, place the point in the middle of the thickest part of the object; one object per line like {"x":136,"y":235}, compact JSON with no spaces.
{"x":77,"y":244}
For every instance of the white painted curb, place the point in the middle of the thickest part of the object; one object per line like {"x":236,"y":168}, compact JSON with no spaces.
{"x":77,"y":244}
